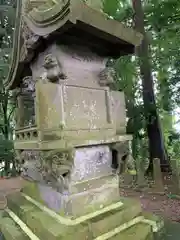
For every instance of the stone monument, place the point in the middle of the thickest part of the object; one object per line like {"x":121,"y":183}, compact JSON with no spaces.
{"x":70,"y":125}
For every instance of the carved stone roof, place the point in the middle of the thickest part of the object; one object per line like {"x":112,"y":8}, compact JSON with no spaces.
{"x":43,"y":20}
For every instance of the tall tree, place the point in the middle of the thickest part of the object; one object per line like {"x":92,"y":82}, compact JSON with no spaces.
{"x":155,"y":137}
{"x":7,"y":103}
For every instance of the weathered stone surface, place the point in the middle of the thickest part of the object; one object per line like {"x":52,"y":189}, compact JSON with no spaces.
{"x":82,"y":164}
{"x":94,"y":183}
{"x":80,"y":98}
{"x":10,"y":230}
{"x":113,"y":219}
{"x":142,"y":166}
{"x":43,"y":225}
{"x":139,"y":231}
{"x":119,"y":117}
{"x":126,"y":220}
{"x":157,"y":224}
{"x":71,"y":204}
{"x":91,"y":163}
{"x":87,"y":228}
{"x":43,"y":19}
{"x":126,"y":180}
{"x":92,"y":200}
{"x":175,"y":175}
{"x":157,"y":175}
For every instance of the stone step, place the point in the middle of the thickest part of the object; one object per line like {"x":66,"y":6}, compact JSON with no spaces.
{"x":157,"y":224}
{"x":38,"y":217}
{"x":139,"y":231}
{"x":9,"y":229}
{"x":43,"y":225}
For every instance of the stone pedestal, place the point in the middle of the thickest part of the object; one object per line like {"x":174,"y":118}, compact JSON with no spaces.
{"x":175,"y":166}
{"x":89,"y":186}
{"x":157,"y":175}
{"x":84,"y":203}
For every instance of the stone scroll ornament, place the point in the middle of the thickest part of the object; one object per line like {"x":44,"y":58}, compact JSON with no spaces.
{"x":49,"y":167}
{"x":53,"y":68}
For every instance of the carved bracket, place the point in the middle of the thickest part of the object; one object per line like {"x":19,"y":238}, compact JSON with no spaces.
{"x":50,"y":167}
{"x":125,"y":161}
{"x":106,"y":77}
{"x":53,"y":69}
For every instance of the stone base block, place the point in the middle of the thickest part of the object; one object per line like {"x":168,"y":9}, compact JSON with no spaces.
{"x":89,"y":226}
{"x":26,"y":219}
{"x":95,"y":183}
{"x":74,"y":204}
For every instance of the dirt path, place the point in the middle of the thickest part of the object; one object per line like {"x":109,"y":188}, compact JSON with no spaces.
{"x":10,"y":185}
{"x":157,"y":204}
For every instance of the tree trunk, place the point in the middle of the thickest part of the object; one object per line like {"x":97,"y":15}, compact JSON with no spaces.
{"x":6,"y":129}
{"x":156,"y":143}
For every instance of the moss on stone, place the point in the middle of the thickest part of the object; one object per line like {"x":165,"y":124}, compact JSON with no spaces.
{"x":10,"y":230}
{"x":42,"y":224}
{"x":139,"y":231}
{"x":31,"y":189}
{"x":108,"y":221}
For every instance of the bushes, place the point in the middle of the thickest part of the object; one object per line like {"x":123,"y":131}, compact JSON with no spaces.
{"x":7,"y":157}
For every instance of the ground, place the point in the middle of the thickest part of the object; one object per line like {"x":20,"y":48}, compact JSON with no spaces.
{"x":160,"y":204}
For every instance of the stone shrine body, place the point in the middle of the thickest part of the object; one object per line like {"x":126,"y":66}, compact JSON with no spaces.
{"x":70,"y":123}
{"x":71,"y":126}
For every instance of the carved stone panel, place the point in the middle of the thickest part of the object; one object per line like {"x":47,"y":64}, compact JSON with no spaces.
{"x":85,"y":108}
{"x":49,"y":105}
{"x":91,"y":163}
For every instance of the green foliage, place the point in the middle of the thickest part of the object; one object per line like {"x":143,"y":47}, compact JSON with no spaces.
{"x":6,"y":150}
{"x":7,"y":103}
{"x":162,"y":26}
{"x":111,"y":7}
